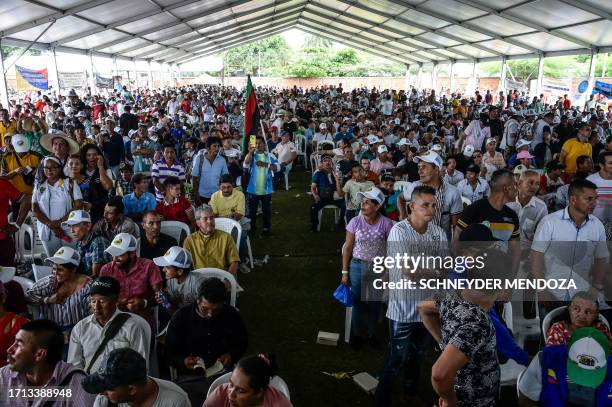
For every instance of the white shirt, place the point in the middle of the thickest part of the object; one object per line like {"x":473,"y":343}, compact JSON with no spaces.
{"x":387,"y":106}
{"x":283,"y":151}
{"x":87,"y":335}
{"x":530,"y":216}
{"x":55,"y":202}
{"x":318,"y":137}
{"x":603,"y":210}
{"x":557,"y":237}
{"x":510,"y":134}
{"x":473,"y":194}
{"x":171,"y":106}
{"x":538,"y":132}
{"x":455,"y":178}
{"x":168,"y":395}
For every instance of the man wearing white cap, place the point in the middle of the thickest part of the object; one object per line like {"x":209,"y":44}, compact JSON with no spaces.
{"x":139,"y":277}
{"x":19,"y":166}
{"x":448,"y":199}
{"x":182,"y":284}
{"x":492,"y":157}
{"x":322,"y":135}
{"x":90,"y":245}
{"x":382,"y":162}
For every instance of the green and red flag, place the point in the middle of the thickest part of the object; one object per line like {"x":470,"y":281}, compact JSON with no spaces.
{"x":251,"y":115}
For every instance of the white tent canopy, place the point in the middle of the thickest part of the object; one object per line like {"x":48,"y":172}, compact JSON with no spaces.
{"x":407,"y":31}
{"x":206,"y":79}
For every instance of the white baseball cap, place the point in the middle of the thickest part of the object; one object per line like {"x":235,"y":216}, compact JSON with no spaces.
{"x":522,"y":143}
{"x":77,"y":216}
{"x":20,"y":143}
{"x":403,"y":142}
{"x":372,"y":139}
{"x":81,"y":114}
{"x":65,"y":255}
{"x":468,"y":150}
{"x":175,"y":256}
{"x":430,"y":157}
{"x":491,"y":140}
{"x":436,"y":147}
{"x":382,"y":149}
{"x":122,"y":243}
{"x":374,"y":194}
{"x":322,"y":126}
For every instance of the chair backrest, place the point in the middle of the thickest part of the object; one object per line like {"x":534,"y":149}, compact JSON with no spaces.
{"x":25,"y":283}
{"x":402,"y":185}
{"x":41,"y":272}
{"x":175,"y":229}
{"x":277,"y":382}
{"x":230,"y":226}
{"x":554,"y":315}
{"x":300,"y":144}
{"x":223,"y":275}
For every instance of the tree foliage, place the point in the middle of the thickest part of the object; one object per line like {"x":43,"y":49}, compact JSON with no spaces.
{"x":273,"y":52}
{"x":8,"y":51}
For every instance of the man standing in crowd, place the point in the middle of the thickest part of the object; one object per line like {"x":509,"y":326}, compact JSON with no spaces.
{"x":208,"y":168}
{"x":262,"y":167}
{"x":448,"y":199}
{"x":408,"y":338}
{"x":168,"y":166}
{"x":574,"y":148}
{"x":571,"y":243}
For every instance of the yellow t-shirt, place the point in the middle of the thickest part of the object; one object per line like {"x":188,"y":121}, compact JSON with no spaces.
{"x":4,"y":130}
{"x":218,"y":250}
{"x":222,"y":206}
{"x":574,"y":149}
{"x":9,"y":163}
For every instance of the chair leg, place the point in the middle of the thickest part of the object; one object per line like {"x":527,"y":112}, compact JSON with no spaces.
{"x":248,"y":243}
{"x":286,"y":182}
{"x":348,"y":315}
{"x":320,"y":218}
{"x":337,"y":216}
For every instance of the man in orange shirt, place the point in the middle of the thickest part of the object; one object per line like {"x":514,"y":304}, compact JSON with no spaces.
{"x":7,"y":125}
{"x":574,"y":148}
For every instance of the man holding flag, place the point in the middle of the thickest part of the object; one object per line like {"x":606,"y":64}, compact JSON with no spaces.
{"x":262,"y":165}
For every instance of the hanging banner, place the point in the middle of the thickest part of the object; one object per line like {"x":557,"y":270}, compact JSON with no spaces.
{"x":31,"y":79}
{"x":603,"y":88}
{"x":70,"y":80}
{"x":514,"y":85}
{"x":104,"y":83}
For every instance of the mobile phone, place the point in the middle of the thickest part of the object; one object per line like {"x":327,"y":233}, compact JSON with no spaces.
{"x":252,"y":141}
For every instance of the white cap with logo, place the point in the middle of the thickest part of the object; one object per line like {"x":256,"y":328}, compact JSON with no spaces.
{"x":20,"y":143}
{"x":122,"y":243}
{"x":374,"y":194}
{"x":175,"y":256}
{"x":65,"y":255}
{"x":430,"y":157}
{"x":77,"y":216}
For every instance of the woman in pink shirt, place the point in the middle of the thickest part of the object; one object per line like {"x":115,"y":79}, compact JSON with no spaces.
{"x":249,"y":385}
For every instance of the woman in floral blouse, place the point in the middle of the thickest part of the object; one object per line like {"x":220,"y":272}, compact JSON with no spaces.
{"x":582,"y":312}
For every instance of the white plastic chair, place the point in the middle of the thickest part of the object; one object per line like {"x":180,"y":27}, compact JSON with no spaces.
{"x":556,"y":313}
{"x":300,"y":146}
{"x":28,"y":233}
{"x":223,"y":275}
{"x":277,"y":382}
{"x":466,"y":201}
{"x":315,"y":160}
{"x":402,"y":186}
{"x":26,"y":284}
{"x":229,"y":225}
{"x":175,"y":229}
{"x":41,"y":272}
{"x":522,"y":327}
{"x":336,"y":215}
{"x":518,"y":380}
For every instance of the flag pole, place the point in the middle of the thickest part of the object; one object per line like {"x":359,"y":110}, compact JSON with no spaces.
{"x":263,"y":132}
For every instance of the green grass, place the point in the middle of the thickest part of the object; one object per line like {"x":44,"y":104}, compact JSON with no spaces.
{"x":289,"y":299}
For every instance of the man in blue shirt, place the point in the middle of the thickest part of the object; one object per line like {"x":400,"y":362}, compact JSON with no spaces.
{"x":343,"y":133}
{"x":262,"y":167}
{"x":207,"y":169}
{"x":325,"y":182}
{"x":139,"y":201}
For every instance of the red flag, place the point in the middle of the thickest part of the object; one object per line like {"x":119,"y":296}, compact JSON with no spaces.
{"x":251,"y":115}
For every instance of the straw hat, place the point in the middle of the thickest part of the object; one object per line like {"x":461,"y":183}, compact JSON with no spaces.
{"x":46,"y":141}
{"x":28,"y":122}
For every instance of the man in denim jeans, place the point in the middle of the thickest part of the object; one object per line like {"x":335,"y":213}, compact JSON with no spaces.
{"x":408,"y":338}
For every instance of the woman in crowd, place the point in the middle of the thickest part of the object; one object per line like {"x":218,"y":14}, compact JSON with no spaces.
{"x":366,"y":238}
{"x":582,"y":312}
{"x":63,"y":296}
{"x":99,"y":178}
{"x":52,"y":200}
{"x":249,"y":385}
{"x":9,"y":325}
{"x":76,"y":166}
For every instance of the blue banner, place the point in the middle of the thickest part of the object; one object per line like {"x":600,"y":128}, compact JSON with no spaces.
{"x":29,"y":79}
{"x":603,"y":88}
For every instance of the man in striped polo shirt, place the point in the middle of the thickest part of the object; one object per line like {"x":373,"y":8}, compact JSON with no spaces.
{"x":168,"y":166}
{"x":603,"y":180}
{"x":408,"y":337}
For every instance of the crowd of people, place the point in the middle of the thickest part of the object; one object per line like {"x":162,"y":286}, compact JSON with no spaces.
{"x":96,"y":175}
